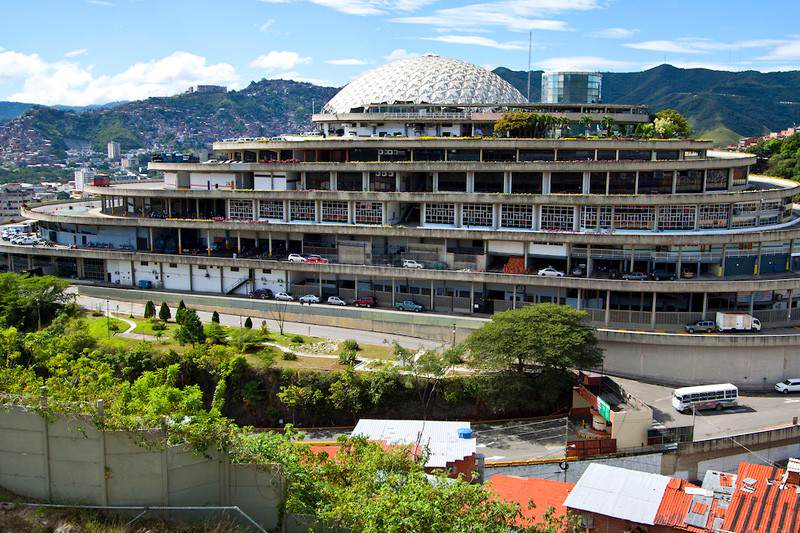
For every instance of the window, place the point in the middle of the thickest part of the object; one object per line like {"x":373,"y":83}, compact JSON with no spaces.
{"x":489,"y":182}
{"x":440,"y":214}
{"x":302,"y":210}
{"x":428,"y":154}
{"x":173,"y":265}
{"x":575,"y":155}
{"x":566,"y":182}
{"x":453,"y":181}
{"x":349,"y":181}
{"x":536,"y":155}
{"x":241,"y":209}
{"x":334,"y":211}
{"x":266,"y":271}
{"x":658,"y":182}
{"x":516,"y":216}
{"x":740,"y":176}
{"x":606,"y":155}
{"x":499,"y":155}
{"x":634,"y":217}
{"x":363,"y":154}
{"x":464,"y":155}
{"x":667,"y":155}
{"x":597,"y":182}
{"x":744,"y":214}
{"x":713,"y":216}
{"x":382,"y":182}
{"x":716,"y":179}
{"x":477,"y":215}
{"x":689,"y":181}
{"x":270,"y":209}
{"x":202,"y":267}
{"x":635,"y":155}
{"x":596,"y":217}
{"x":526,"y":182}
{"x":144,"y":263}
{"x":369,"y":213}
{"x":558,"y":217}
{"x":677,"y":217}
{"x":234,"y":269}
{"x":622,"y":183}
{"x":318,"y":181}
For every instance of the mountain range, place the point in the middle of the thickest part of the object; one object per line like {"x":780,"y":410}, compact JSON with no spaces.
{"x":720,"y":105}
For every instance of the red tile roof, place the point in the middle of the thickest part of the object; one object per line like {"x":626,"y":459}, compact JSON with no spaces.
{"x":544,"y":493}
{"x":769,"y":508}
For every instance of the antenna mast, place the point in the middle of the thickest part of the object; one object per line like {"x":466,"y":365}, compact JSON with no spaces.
{"x":530,"y":47}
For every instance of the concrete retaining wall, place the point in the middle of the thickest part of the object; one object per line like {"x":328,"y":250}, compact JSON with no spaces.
{"x":70,"y":461}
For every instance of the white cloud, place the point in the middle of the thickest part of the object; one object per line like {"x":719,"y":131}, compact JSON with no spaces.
{"x":276,"y":60}
{"x":348,"y":61}
{"x":266,"y":25}
{"x":76,"y":53}
{"x":615,"y":33}
{"x":296,"y":76}
{"x":788,"y":50}
{"x":364,"y":7}
{"x":399,"y":53}
{"x":102,"y":3}
{"x":513,"y":15}
{"x":478,"y":41}
{"x":65,"y":82}
{"x":585,"y":63}
{"x":696,"y":45}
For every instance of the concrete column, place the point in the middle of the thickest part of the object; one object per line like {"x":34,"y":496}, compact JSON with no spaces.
{"x":319,"y":286}
{"x":30,"y":262}
{"x":238,"y":242}
{"x":514,"y":298}
{"x":355,"y":285}
{"x":222,"y":280}
{"x":286,"y":213}
{"x":752,"y":301}
{"x":394,"y":292}
{"x":133,"y":275}
{"x":197,"y":207}
{"x":586,"y":187}
{"x":150,"y":239}
{"x":724,"y":250}
{"x":227,"y":208}
{"x":705,"y":306}
{"x":789,"y":256}
{"x":180,"y":241}
{"x":472,"y":297}
{"x":191,"y":283}
{"x":580,"y":293}
{"x":169,"y":207}
{"x":607,"y":318}
{"x":470,"y":182}
{"x":507,"y":181}
{"x":789,"y":307}
{"x":365,"y":181}
{"x":422,"y":214}
{"x":269,"y":237}
{"x":525,"y":249}
{"x":653,"y":312}
{"x":674,"y":181}
{"x":208,"y":242}
{"x":161,"y":273}
{"x":433,"y":298}
{"x":435,"y":182}
{"x":545,"y":182}
{"x":588,"y":260}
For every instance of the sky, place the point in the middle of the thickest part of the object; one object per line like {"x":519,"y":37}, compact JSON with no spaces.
{"x":83,"y":52}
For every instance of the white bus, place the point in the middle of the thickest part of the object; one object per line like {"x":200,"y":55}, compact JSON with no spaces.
{"x":705,"y":397}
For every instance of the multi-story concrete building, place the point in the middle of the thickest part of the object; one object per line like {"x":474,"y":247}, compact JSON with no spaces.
{"x":572,"y":87}
{"x":12,"y":197}
{"x":114,"y":151}
{"x":643,"y":234}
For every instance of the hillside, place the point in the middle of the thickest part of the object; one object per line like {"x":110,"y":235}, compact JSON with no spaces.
{"x":9,"y":110}
{"x":720,"y":105}
{"x":264,"y":108}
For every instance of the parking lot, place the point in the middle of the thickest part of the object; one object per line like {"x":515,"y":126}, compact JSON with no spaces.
{"x":755,"y":412}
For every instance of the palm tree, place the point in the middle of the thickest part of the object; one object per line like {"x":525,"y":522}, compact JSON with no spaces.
{"x":563,"y":124}
{"x":586,"y":120}
{"x":608,"y":123}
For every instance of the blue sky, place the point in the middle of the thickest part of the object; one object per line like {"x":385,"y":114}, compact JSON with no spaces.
{"x":81,"y":52}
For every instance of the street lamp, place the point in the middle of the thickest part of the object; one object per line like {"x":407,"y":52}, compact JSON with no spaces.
{"x":108,"y":321}
{"x":454,"y":334}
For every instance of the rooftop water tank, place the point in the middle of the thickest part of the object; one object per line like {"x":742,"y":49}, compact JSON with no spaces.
{"x":464,"y":433}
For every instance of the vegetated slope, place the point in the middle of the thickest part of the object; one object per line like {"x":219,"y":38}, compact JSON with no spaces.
{"x":264,"y":108}
{"x":720,"y":105}
{"x":9,"y":110}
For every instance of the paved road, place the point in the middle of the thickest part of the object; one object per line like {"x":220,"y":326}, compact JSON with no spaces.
{"x":755,"y":411}
{"x":328,"y":332}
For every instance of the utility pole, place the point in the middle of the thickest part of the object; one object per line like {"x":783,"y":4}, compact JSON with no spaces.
{"x":108,"y":320}
{"x":530,"y":49}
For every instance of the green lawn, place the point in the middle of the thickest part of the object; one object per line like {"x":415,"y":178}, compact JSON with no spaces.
{"x":145,"y":326}
{"x":286,"y":340}
{"x":97,"y":327}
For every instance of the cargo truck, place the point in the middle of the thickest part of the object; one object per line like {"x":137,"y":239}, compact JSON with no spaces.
{"x":734,"y":321}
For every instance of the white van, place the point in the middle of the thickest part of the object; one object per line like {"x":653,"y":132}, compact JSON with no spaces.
{"x":705,"y":397}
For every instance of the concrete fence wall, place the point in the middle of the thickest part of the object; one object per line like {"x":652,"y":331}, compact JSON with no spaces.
{"x":69,"y":461}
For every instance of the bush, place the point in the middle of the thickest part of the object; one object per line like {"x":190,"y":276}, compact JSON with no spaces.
{"x":289,"y":356}
{"x":267,"y":356}
{"x":149,"y":309}
{"x":248,"y":323}
{"x":164,"y":313}
{"x":215,"y":334}
{"x":348,"y":357}
{"x":215,"y":317}
{"x":156,"y":325}
{"x":350,"y":345}
{"x":297,"y":339}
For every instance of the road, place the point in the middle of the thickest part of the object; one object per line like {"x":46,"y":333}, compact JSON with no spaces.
{"x":756,"y":412}
{"x":327,"y":332}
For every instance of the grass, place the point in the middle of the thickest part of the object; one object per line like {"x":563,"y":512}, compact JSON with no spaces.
{"x":98,"y":327}
{"x":145,"y":326}
{"x":373,"y":351}
{"x":286,"y":340}
{"x":310,"y":363}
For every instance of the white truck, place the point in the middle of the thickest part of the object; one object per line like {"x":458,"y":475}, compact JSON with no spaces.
{"x":736,"y":321}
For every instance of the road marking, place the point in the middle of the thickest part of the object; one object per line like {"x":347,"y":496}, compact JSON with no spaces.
{"x":791,"y":401}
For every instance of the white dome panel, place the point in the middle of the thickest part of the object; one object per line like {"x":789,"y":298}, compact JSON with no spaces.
{"x":428,"y":79}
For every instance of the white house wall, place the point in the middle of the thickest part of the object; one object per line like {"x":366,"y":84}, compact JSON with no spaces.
{"x":119,"y":271}
{"x":274,"y":280}
{"x":212,"y":181}
{"x":176,"y":278}
{"x":205,"y":280}
{"x":231,"y":278}
{"x":148,"y":272}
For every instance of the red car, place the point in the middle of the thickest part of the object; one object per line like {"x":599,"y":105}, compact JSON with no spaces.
{"x":365,"y":301}
{"x":315,"y":259}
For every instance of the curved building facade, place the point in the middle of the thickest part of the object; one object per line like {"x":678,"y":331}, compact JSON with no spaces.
{"x":646,"y":234}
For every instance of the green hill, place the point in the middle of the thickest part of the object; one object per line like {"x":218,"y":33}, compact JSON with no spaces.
{"x":9,"y":110}
{"x":720,"y":105}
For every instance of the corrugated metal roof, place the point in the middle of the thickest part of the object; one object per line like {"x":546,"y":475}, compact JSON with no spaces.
{"x":765,"y":505}
{"x":439,"y":437}
{"x":618,"y":492}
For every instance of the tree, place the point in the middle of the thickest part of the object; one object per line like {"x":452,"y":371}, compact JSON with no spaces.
{"x":345,"y":393}
{"x":164,"y":313}
{"x":149,"y":309}
{"x":608,"y":123}
{"x":180,"y":315}
{"x":28,"y":302}
{"x":191,"y":329}
{"x":295,"y":397}
{"x":215,"y":333}
{"x":550,"y":337}
{"x":586,"y":120}
{"x":278,"y":314}
{"x":215,"y":317}
{"x":668,"y":123}
{"x":181,"y":305}
{"x":244,"y":339}
{"x":248,"y":323}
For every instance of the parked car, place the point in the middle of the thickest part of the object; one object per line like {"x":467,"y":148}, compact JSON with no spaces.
{"x":412,"y":263}
{"x":662,"y":275}
{"x":687,"y":274}
{"x":701,"y":325}
{"x":365,"y":301}
{"x":634,"y":276}
{"x":335,"y":300}
{"x":736,"y":321}
{"x":550,"y":272}
{"x":614,"y":273}
{"x":25,"y":240}
{"x":284,"y":297}
{"x":579,"y":271}
{"x":409,"y":305}
{"x":261,"y":294}
{"x":788,"y":385}
{"x":296,"y":258}
{"x":316,"y":259}
{"x":309,"y":299}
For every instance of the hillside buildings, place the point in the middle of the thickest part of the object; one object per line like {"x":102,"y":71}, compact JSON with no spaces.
{"x":12,"y":197}
{"x":114,"y":151}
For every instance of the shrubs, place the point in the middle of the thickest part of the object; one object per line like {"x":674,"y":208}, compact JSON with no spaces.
{"x":297,"y":339}
{"x":348,"y":357}
{"x":149,"y":309}
{"x":289,"y":356}
{"x":248,"y":323}
{"x":350,"y":345}
{"x":157,"y":325}
{"x":164,"y":312}
{"x":215,"y":317}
